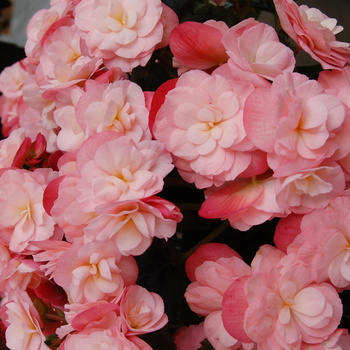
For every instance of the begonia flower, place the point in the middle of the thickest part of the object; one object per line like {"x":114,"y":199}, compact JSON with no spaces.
{"x":22,"y":215}
{"x":280,"y":305}
{"x":143,"y":311}
{"x":23,"y":323}
{"x":323,"y":242}
{"x":201,"y":124}
{"x":124,"y":33}
{"x":313,"y":32}
{"x":94,"y":271}
{"x":254,"y":47}
{"x":119,"y":106}
{"x":113,"y":167}
{"x":12,"y":79}
{"x":297,"y":123}
{"x":132,"y":224}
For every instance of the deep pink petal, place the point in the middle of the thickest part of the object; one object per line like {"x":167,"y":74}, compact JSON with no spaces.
{"x":231,"y":199}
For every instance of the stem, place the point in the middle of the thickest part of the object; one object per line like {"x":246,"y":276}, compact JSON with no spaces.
{"x":212,"y":235}
{"x":296,"y":51}
{"x":237,"y":5}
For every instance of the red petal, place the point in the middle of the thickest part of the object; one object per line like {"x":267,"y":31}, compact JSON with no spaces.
{"x":234,"y":306}
{"x":230,"y":199}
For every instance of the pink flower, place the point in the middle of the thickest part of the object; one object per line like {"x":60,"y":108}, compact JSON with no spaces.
{"x":22,"y":215}
{"x":19,"y":273}
{"x":142,"y":310}
{"x":94,"y":271}
{"x":133,"y":224}
{"x":297,"y":123}
{"x":311,"y":188}
{"x":113,"y":167}
{"x":314,"y":32}
{"x":280,"y":306}
{"x":323,"y":242}
{"x":201,"y":124}
{"x":123,"y":32}
{"x":24,"y":324}
{"x":212,"y":280}
{"x":12,"y":79}
{"x":42,"y":24}
{"x":254,"y":47}
{"x":119,"y":107}
{"x":198,"y":45}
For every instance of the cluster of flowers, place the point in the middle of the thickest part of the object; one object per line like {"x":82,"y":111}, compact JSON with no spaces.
{"x":87,"y":151}
{"x":79,"y":178}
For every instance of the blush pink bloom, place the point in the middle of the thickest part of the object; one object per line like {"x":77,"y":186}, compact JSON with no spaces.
{"x":212,"y":280}
{"x":254,"y":47}
{"x":23,"y":323}
{"x":22,"y":215}
{"x":201,"y":124}
{"x":94,"y":271}
{"x":42,"y":24}
{"x":119,"y":107}
{"x":133,"y":224}
{"x":62,"y":62}
{"x":297,"y":123}
{"x":113,"y":167}
{"x":244,"y":202}
{"x":198,"y":45}
{"x":19,"y":273}
{"x":142,"y":310}
{"x":70,"y":136}
{"x":12,"y":79}
{"x":311,"y":188}
{"x":124,"y":33}
{"x":65,"y":210}
{"x":280,"y":306}
{"x":314,"y":33}
{"x":323,"y":242}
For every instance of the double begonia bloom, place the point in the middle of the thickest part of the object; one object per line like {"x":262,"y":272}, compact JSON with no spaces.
{"x":62,"y":62}
{"x":119,"y":107}
{"x":142,"y":310}
{"x":323,"y":242}
{"x":122,"y":32}
{"x":22,"y":215}
{"x":311,"y":188}
{"x":314,"y":33}
{"x":12,"y":79}
{"x":280,"y":306}
{"x":133,"y":224}
{"x":94,"y":271}
{"x":23,"y":323}
{"x":297,"y":123}
{"x":113,"y":167}
{"x":201,"y":124}
{"x":254,"y":47}
{"x":42,"y":24}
